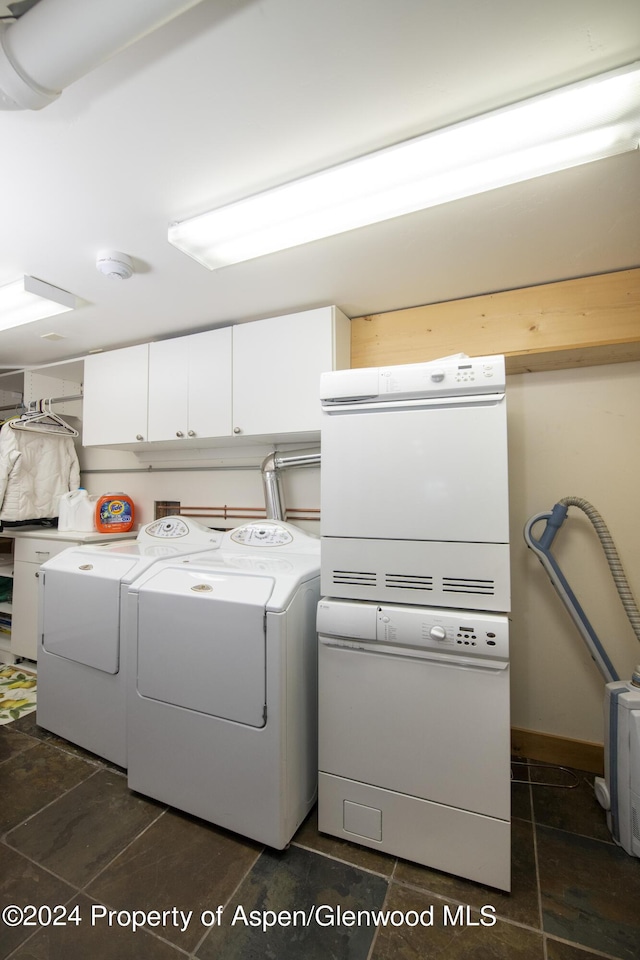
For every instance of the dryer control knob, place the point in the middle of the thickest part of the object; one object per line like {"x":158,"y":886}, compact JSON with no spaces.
{"x":438,"y":633}
{"x":437,"y":376}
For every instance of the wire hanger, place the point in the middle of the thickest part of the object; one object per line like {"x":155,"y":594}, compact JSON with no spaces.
{"x":40,"y":418}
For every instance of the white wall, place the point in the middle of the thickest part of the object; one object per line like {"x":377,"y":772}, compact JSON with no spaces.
{"x":571,"y":432}
{"x":206,"y":486}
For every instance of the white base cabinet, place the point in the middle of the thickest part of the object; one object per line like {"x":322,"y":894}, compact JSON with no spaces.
{"x":254,"y":380}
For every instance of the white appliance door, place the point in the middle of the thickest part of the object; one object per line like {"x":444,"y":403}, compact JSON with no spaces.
{"x":455,"y":488}
{"x":202,"y":643}
{"x":81,"y":608}
{"x":432,"y":729}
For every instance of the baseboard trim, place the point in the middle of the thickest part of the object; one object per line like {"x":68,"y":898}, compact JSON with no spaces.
{"x":549,"y":748}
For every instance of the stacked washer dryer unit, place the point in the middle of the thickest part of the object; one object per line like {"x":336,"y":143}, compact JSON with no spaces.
{"x":81,"y":657}
{"x":222,"y":681}
{"x":414,"y":728}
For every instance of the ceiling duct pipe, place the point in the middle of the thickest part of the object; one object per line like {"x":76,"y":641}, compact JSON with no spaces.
{"x":271,"y":467}
{"x":59,"y":41}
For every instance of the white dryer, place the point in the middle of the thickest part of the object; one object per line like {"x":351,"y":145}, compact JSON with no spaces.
{"x":81,"y":688}
{"x":222,"y":682}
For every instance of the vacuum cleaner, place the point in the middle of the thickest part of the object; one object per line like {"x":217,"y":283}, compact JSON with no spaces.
{"x":619,"y":791}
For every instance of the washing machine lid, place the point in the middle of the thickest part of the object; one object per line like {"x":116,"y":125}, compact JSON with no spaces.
{"x":123,"y":561}
{"x":287,"y":572}
{"x":201,"y":642}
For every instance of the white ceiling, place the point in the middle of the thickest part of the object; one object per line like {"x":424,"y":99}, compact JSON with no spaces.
{"x":239,"y":95}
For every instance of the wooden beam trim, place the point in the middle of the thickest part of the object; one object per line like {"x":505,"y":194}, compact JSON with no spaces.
{"x":532,"y":326}
{"x":548,"y":748}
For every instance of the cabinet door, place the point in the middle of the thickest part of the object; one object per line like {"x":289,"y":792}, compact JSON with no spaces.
{"x":115,"y":396}
{"x":168,"y":389}
{"x":24,"y":620}
{"x":276,"y":370}
{"x":29,"y":554}
{"x":210,"y":383}
{"x":190,"y":386}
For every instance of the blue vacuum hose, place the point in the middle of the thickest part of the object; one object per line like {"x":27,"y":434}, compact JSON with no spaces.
{"x":542,"y":548}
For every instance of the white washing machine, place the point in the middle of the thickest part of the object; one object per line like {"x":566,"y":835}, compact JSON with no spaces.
{"x":415,"y":736}
{"x":81,"y":687}
{"x":222,"y":682}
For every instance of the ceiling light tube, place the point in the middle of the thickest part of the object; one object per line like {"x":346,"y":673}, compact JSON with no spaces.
{"x":29,"y":299}
{"x":576,"y":124}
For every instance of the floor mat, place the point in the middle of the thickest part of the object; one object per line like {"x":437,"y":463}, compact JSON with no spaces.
{"x":17,"y":692}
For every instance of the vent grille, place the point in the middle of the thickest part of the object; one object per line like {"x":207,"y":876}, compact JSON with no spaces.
{"x":408,"y":581}
{"x":357,"y":578}
{"x":485,"y":588}
{"x":418,"y":584}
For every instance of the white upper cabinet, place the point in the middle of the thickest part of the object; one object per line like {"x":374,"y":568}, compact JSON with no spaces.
{"x":115,"y":397}
{"x":276,"y":370}
{"x":259,"y":379}
{"x":190,"y":386}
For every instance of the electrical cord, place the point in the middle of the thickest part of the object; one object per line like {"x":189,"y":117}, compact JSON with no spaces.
{"x":546,"y":766}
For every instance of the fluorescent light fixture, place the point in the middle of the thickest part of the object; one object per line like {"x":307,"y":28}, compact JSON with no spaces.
{"x":28,"y":299}
{"x":585,"y":121}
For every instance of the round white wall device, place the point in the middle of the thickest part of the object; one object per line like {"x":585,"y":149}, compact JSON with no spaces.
{"x":115,"y":265}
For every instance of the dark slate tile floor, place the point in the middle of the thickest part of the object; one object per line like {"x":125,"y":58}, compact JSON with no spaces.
{"x":135,"y":880}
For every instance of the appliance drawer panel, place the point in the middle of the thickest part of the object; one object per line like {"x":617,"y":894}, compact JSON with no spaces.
{"x":428,"y":729}
{"x":473,"y":576}
{"x":222,"y":652}
{"x":437,"y":836}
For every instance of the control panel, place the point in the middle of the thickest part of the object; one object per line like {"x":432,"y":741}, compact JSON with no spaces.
{"x":451,"y":376}
{"x":262,"y":535}
{"x":176,"y":528}
{"x":462,"y":633}
{"x":471,"y":634}
{"x":448,"y":377}
{"x":169,"y":528}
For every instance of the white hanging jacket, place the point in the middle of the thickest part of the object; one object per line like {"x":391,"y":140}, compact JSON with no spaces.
{"x":36,"y":468}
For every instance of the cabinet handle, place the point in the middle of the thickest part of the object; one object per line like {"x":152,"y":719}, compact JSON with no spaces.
{"x":237,"y":430}
{"x":37,"y":574}
{"x":43,"y":553}
{"x":139,"y":436}
{"x":192,"y":433}
{"x":179,"y":433}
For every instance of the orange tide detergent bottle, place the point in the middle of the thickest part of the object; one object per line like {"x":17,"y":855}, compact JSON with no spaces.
{"x":114,"y":513}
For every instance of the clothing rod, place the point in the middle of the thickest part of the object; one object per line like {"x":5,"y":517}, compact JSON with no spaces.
{"x":23,"y":406}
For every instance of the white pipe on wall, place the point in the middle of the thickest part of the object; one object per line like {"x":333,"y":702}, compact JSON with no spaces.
{"x":59,"y":41}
